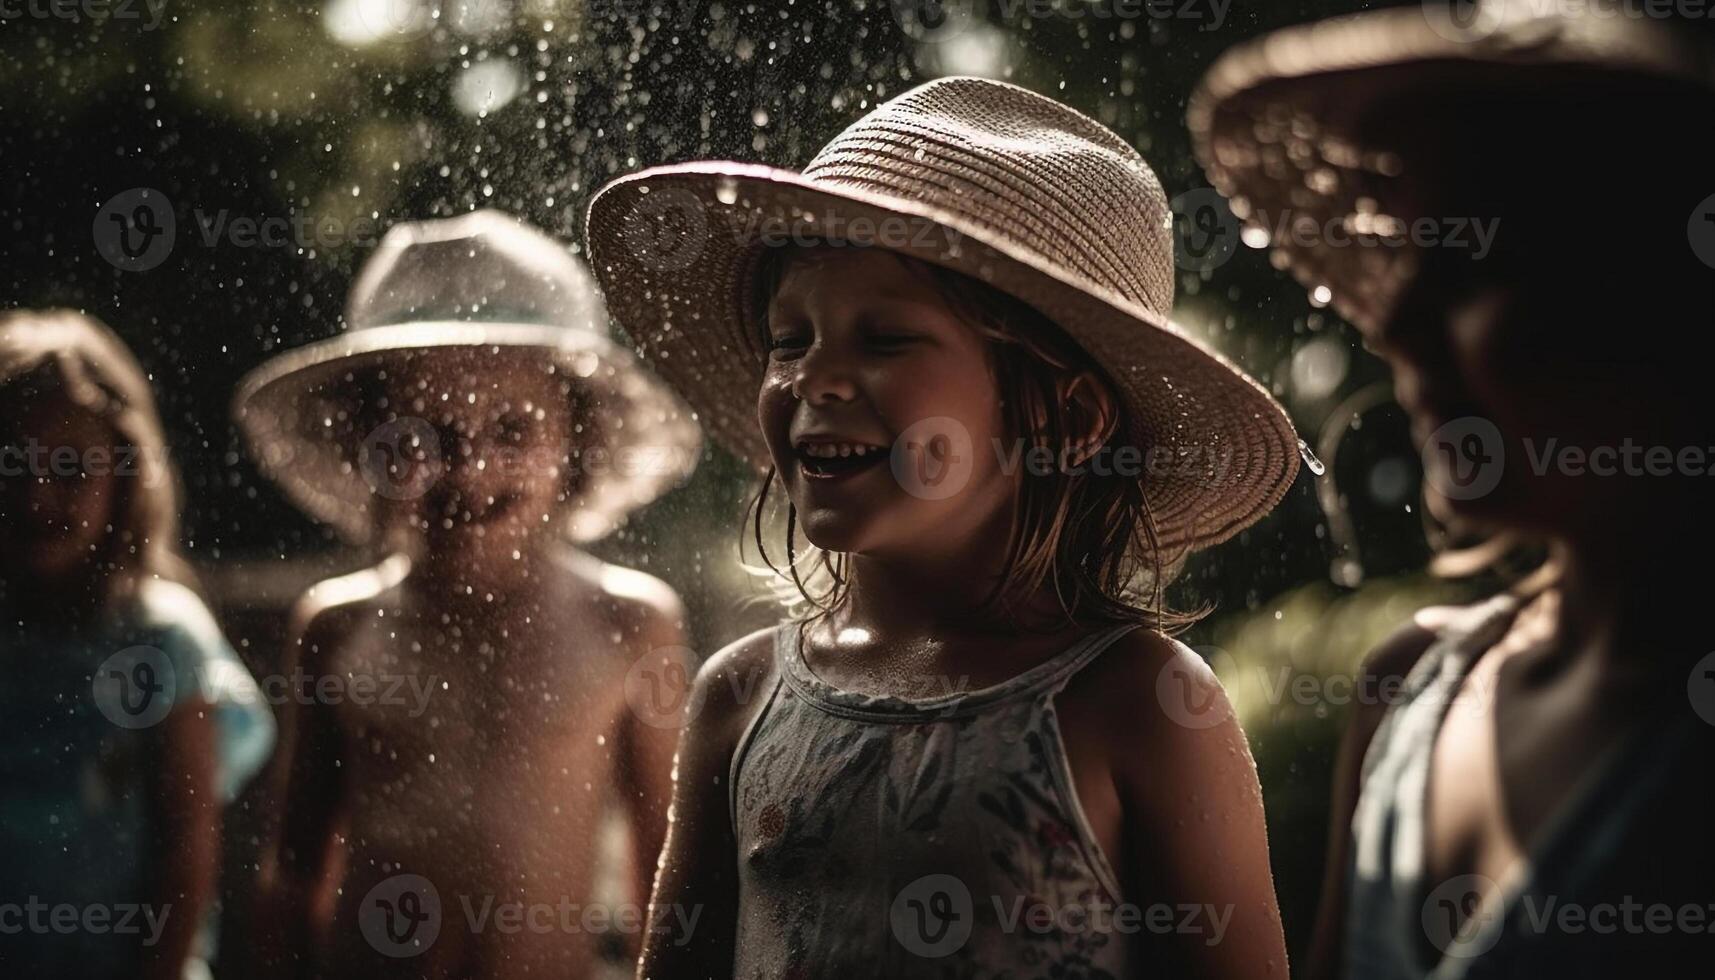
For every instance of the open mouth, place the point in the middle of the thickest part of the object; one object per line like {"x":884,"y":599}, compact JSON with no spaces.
{"x":832,"y":460}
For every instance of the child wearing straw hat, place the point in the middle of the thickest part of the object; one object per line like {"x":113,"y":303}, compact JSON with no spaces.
{"x":947,"y":343}
{"x":443,"y":807}
{"x":1534,"y":801}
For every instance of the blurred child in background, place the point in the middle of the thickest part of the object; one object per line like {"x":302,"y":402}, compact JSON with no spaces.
{"x":129,"y":720}
{"x":1534,"y":802}
{"x":476,"y":422}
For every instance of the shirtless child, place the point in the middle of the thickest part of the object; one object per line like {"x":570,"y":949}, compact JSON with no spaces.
{"x":459,"y":724}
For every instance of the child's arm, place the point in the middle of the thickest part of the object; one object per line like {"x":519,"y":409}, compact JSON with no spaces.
{"x":1382,"y":671}
{"x":307,"y":796}
{"x":650,"y":717}
{"x":1194,"y":837}
{"x":185,"y":803}
{"x":693,"y":915}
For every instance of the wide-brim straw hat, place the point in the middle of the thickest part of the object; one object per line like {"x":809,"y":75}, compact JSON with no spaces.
{"x":985,"y":178}
{"x":485,"y":296}
{"x":1327,"y":125}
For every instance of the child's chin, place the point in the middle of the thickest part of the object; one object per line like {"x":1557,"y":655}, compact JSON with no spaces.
{"x":835,"y":531}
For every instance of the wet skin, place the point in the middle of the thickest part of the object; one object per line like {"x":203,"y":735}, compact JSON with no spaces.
{"x":864,"y":347}
{"x":494,"y":786}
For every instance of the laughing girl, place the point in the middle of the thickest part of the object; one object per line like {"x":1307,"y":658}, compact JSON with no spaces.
{"x":980,"y":755}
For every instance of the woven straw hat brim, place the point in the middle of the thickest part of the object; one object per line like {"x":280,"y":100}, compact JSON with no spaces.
{"x":1302,"y":121}
{"x":1228,"y":450}
{"x":294,"y":413}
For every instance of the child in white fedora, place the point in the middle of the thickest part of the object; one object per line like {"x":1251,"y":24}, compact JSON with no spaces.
{"x":476,"y":421}
{"x":1535,"y":801}
{"x":980,"y":755}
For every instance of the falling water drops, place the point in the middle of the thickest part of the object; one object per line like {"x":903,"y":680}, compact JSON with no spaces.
{"x":1309,"y":456}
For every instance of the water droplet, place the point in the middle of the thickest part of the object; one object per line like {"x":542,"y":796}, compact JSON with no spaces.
{"x":1347,"y":572}
{"x":1310,"y":460}
{"x":726,"y":191}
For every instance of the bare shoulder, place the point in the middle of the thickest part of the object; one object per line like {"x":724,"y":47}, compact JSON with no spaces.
{"x":1130,"y":680}
{"x":1170,"y":725}
{"x":728,"y":690}
{"x":1159,"y":708}
{"x":629,"y":598}
{"x":732,"y":682}
{"x":1385,"y":667}
{"x":1400,"y":651}
{"x":329,"y":608}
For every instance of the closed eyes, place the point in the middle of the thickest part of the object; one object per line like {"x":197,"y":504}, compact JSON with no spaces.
{"x":791,"y":342}
{"x":880,"y":341}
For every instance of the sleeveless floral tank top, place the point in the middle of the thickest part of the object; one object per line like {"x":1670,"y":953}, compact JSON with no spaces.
{"x":942,"y":837}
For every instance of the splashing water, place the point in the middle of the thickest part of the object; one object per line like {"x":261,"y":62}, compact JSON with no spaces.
{"x":1305,"y":453}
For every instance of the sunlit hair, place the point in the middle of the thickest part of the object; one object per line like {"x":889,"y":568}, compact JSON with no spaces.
{"x":1089,"y":538}
{"x":61,"y":354}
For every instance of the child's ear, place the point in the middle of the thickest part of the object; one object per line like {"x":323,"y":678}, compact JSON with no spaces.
{"x":1092,"y":414}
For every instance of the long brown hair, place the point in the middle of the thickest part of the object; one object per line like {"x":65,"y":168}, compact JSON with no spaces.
{"x":65,"y":354}
{"x":1090,"y":538}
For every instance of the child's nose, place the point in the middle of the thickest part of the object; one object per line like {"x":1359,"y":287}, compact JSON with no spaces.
{"x":823,"y":376}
